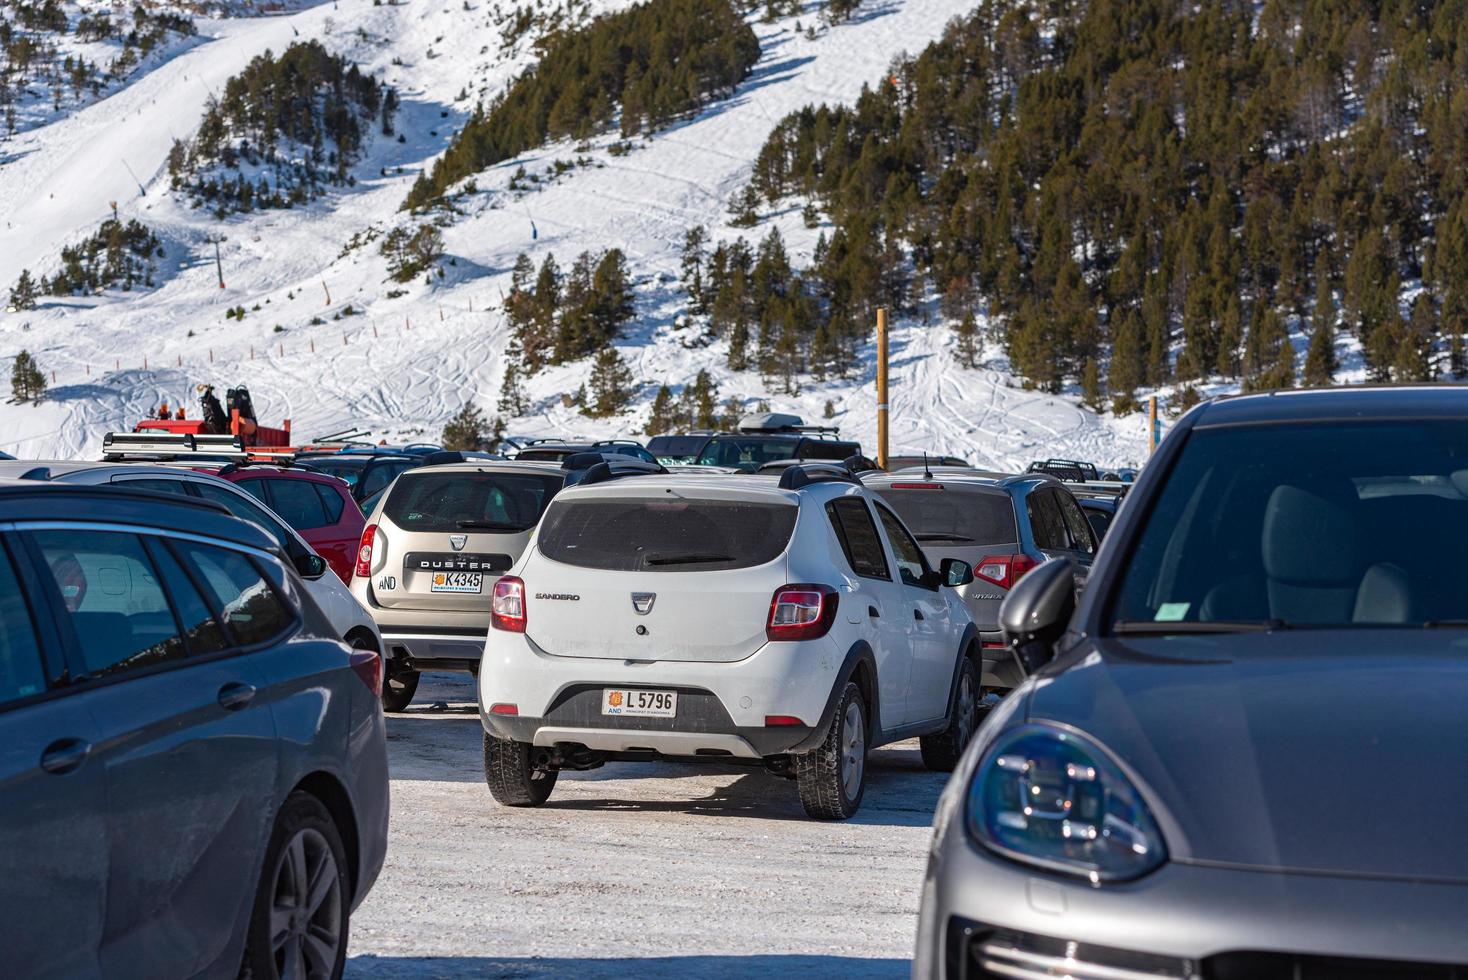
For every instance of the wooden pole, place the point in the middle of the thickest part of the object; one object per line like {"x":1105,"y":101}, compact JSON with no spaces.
{"x":882,"y":387}
{"x":1151,"y":425}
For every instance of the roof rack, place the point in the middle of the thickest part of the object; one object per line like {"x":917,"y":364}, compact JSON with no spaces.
{"x":781,"y":422}
{"x":1064,"y":469}
{"x":616,"y":442}
{"x":802,"y":473}
{"x":118,"y":446}
{"x":588,"y":468}
{"x":346,"y":435}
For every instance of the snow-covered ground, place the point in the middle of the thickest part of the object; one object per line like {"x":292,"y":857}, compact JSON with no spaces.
{"x":401,"y":366}
{"x":649,"y":870}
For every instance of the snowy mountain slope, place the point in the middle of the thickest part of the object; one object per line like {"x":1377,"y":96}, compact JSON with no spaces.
{"x":401,"y":366}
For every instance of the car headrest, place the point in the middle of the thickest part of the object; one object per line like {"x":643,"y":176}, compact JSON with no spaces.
{"x":1309,"y":539}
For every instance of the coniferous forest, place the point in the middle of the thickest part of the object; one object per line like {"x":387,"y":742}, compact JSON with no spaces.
{"x":1140,"y":192}
{"x":644,"y":65}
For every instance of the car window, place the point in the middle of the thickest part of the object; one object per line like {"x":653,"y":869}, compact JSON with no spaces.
{"x":201,"y":629}
{"x":748,"y":454}
{"x":1100,"y":521}
{"x":158,"y":485}
{"x":255,"y":488}
{"x":378,"y":475}
{"x":297,"y":503}
{"x":1076,"y":524}
{"x":858,"y":536}
{"x":246,"y":510}
{"x":331,"y":502}
{"x":826,"y":449}
{"x":435,"y":501}
{"x":252,"y":609}
{"x":21,"y":671}
{"x":1046,"y":521}
{"x":1331,"y":524}
{"x":910,"y":562}
{"x":348,"y":468}
{"x":953,"y":515}
{"x":665,"y":534}
{"x":112,"y":597}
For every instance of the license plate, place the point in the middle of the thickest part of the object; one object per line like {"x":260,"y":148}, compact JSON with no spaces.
{"x":643,"y":704}
{"x":471,"y":583}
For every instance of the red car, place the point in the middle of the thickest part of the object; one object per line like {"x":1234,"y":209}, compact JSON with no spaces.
{"x":320,"y":507}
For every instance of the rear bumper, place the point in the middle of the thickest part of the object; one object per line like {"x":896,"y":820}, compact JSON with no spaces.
{"x":448,"y":648}
{"x":1000,"y":668}
{"x":722,"y":707}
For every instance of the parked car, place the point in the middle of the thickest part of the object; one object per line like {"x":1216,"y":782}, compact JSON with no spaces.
{"x":185,"y":745}
{"x":895,"y":463}
{"x":1238,"y":757}
{"x":772,"y":437}
{"x":183,"y":479}
{"x":365,"y":470}
{"x":554,"y":451}
{"x":1003,"y":526}
{"x":320,"y":507}
{"x":789,"y":622}
{"x":1100,"y":511}
{"x":430,"y":555}
{"x":678,"y":450}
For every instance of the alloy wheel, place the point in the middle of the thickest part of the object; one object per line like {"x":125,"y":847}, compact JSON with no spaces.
{"x":853,"y":750}
{"x":306,"y":909}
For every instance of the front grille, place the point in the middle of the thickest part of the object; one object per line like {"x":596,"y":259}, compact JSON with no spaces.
{"x":974,"y":951}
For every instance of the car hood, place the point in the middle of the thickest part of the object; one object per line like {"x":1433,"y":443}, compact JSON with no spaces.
{"x":1341,"y":752}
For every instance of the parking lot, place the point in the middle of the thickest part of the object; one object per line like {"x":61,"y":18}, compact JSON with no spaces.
{"x":634,"y":870}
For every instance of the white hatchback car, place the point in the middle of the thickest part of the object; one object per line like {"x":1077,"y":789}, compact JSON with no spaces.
{"x":789,"y":622}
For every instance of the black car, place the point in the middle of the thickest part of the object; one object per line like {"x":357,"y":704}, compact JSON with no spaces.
{"x":365,"y":470}
{"x":1241,"y":755}
{"x":553,"y":451}
{"x":184,"y":745}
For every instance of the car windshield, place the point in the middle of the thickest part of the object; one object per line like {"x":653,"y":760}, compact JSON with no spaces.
{"x":747,"y":453}
{"x":1304,"y":525}
{"x":940,"y":515}
{"x":505,"y":503}
{"x":662,"y":535}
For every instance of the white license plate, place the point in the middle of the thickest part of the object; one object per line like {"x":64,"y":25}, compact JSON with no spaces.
{"x":466,"y":582}
{"x":644,"y":704}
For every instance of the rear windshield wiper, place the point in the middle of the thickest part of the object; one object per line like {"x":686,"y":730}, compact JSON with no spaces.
{"x":488,"y":526}
{"x":1445,"y":624}
{"x":690,"y":559}
{"x":1126,"y":627}
{"x":944,"y":537}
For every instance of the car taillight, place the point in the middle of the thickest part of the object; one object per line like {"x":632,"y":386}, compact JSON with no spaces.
{"x":1004,"y":570}
{"x":367,"y":664}
{"x":507,"y":608}
{"x":917,"y":486}
{"x":801,"y":612}
{"x":364,"y":552}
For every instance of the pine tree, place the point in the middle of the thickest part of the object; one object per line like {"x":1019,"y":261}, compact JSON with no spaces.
{"x":733,"y":411}
{"x":27,"y":381}
{"x":1127,"y":370}
{"x":610,"y":385}
{"x":466,"y":430}
{"x":1320,"y":359}
{"x":744,"y":209}
{"x":512,"y":395}
{"x":969,"y":347}
{"x":23,"y":293}
{"x":1091,"y":395}
{"x":703,"y":401}
{"x":661,"y":419}
{"x":694,"y":257}
{"x":739,"y":347}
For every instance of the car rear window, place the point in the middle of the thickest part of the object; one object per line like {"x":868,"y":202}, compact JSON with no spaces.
{"x":953,"y":516}
{"x":749,"y":453}
{"x":666,"y":535}
{"x":506,"y":503}
{"x":346,"y":468}
{"x":824,"y":449}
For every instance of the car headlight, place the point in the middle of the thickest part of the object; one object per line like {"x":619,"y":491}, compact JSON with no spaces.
{"x":1051,"y":797}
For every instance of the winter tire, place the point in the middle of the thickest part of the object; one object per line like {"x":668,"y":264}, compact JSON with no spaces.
{"x":298,"y":926}
{"x":512,"y":780}
{"x":833,"y":777}
{"x":398,"y":688}
{"x":942,"y":750}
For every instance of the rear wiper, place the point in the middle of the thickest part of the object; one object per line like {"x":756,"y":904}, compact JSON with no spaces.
{"x":691,"y":559}
{"x":1445,"y":624}
{"x":488,"y":526}
{"x":1127,"y":627}
{"x":943,"y":537}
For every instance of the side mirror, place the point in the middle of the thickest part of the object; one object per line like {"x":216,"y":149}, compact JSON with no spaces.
{"x":310,"y":565}
{"x":956,"y":572}
{"x":1037,"y":611}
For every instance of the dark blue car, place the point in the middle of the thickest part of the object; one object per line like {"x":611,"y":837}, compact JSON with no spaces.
{"x":193,"y":769}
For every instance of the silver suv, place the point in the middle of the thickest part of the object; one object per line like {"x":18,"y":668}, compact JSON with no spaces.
{"x":432,"y":550}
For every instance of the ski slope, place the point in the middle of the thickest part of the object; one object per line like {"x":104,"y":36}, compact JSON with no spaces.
{"x":401,"y":366}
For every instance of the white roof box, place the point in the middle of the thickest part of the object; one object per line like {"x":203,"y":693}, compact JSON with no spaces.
{"x":771,"y":422}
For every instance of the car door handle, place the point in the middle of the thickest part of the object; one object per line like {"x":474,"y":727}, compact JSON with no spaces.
{"x":917,"y":614}
{"x":873,"y":613}
{"x":234,"y":696}
{"x":65,"y":755}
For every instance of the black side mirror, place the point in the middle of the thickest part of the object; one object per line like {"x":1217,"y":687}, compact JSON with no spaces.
{"x":956,"y":572}
{"x":310,"y":565}
{"x":1037,"y":611}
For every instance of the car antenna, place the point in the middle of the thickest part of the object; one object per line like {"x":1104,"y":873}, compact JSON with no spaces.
{"x":927,"y":473}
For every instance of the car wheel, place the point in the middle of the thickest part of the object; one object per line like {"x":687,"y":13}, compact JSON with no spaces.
{"x":833,"y":777}
{"x":398,"y":688}
{"x":942,"y":751}
{"x":511,"y":778}
{"x":298,"y":927}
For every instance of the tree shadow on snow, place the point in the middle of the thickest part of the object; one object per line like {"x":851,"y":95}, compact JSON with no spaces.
{"x":758,"y":967}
